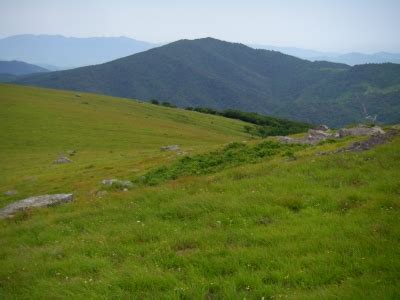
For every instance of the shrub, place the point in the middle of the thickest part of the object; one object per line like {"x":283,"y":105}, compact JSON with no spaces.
{"x":231,"y":155}
{"x":167,"y":104}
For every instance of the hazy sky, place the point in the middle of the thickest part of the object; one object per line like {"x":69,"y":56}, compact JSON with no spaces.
{"x":328,"y":25}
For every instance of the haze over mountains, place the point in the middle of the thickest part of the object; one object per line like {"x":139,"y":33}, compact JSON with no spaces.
{"x":59,"y":52}
{"x":352,"y":58}
{"x":212,"y":73}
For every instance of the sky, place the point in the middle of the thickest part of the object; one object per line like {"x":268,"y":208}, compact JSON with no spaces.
{"x":325,"y":25}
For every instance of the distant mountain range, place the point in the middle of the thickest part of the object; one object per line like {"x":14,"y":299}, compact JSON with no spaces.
{"x":212,"y":73}
{"x":10,"y":70}
{"x":351,"y":59}
{"x":19,"y":68}
{"x":56,"y":52}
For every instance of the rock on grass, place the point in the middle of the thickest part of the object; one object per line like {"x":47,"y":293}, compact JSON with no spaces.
{"x":37,"y":201}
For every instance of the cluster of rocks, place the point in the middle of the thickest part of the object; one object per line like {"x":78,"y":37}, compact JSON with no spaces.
{"x":38,"y":201}
{"x":374,"y":140}
{"x":322,"y":132}
{"x":55,"y":199}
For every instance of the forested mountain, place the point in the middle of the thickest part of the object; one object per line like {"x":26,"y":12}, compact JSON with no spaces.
{"x":212,"y":73}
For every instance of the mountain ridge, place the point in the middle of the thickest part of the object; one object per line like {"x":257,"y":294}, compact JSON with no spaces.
{"x":218,"y":74}
{"x":350,"y":58}
{"x":15,"y":67}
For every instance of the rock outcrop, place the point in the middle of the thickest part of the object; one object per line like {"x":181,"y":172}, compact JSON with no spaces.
{"x":360,"y":131}
{"x":373,"y":141}
{"x":37,"y":201}
{"x":322,"y":128}
{"x":314,"y":136}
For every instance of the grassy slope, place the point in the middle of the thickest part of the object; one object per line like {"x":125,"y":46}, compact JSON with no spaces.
{"x":316,"y":227}
{"x":111,"y":137}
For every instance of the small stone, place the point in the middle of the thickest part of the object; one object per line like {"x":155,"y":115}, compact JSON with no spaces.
{"x":170,"y":148}
{"x":62,"y":160}
{"x":122,"y":184}
{"x":11,"y":192}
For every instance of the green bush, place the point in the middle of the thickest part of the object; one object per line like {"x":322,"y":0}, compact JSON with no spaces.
{"x":232,"y":155}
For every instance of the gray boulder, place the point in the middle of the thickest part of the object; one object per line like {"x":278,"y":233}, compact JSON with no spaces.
{"x":316,"y":136}
{"x":170,"y":148}
{"x":38,"y":201}
{"x":313,"y":137}
{"x":313,"y":133}
{"x":360,"y":131}
{"x":62,"y":160}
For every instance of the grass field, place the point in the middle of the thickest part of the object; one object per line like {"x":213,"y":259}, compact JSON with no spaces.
{"x":295,"y":225}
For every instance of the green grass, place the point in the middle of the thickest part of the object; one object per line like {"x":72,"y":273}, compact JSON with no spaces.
{"x":112,"y":137}
{"x":290,"y":225}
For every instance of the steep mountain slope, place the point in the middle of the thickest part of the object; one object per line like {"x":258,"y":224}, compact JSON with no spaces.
{"x":19,"y":68}
{"x":68,"y":52}
{"x":294,"y":225}
{"x":209,"y":72}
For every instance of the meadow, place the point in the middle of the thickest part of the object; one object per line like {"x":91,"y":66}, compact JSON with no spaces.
{"x":286,"y":223}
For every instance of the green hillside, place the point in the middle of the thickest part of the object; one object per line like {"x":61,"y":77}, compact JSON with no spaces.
{"x":40,"y":125}
{"x":227,"y":216}
{"x":221,"y":75}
